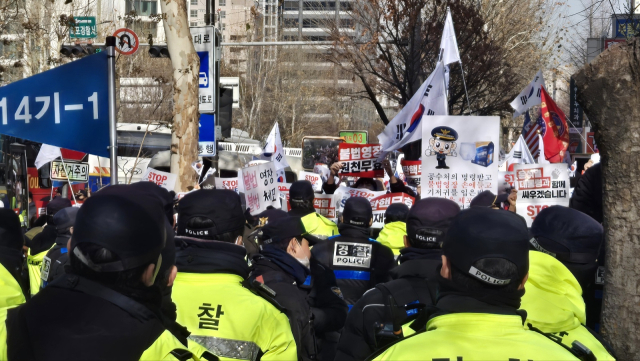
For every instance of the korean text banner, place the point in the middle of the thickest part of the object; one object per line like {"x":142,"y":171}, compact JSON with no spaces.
{"x":412,"y":170}
{"x":458,"y":157}
{"x":360,"y":160}
{"x":261,"y":187}
{"x":325,"y":207}
{"x":540,"y":186}
{"x":381,"y":203}
{"x":67,"y":106}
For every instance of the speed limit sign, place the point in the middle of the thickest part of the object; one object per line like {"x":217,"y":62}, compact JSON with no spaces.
{"x":126,"y":41}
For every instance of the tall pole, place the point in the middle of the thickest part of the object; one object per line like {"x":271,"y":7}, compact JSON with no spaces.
{"x":113,"y":136}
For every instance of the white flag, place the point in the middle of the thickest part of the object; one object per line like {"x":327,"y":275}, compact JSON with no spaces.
{"x":406,"y":126}
{"x":448,"y":44}
{"x":530,"y":96}
{"x":273,"y":149}
{"x":520,"y":153}
{"x":541,"y":158}
{"x":46,"y":154}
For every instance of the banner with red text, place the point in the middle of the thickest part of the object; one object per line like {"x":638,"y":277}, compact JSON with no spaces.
{"x":261,"y":187}
{"x":381,"y":203}
{"x":163,"y":179}
{"x":360,"y":160}
{"x":540,"y":186}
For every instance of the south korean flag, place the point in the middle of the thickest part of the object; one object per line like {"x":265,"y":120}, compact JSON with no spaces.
{"x":274,"y":152}
{"x":529,"y":96}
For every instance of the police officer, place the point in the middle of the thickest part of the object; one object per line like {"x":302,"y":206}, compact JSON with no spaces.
{"x":115,"y":255}
{"x":395,"y":227}
{"x":58,"y":257}
{"x":13,"y":287}
{"x":42,"y":243}
{"x":301,"y":198}
{"x":253,"y":227}
{"x":484,"y":269}
{"x":306,"y":289}
{"x":377,"y":318}
{"x":358,"y":262}
{"x":562,"y":270}
{"x":224,"y":316}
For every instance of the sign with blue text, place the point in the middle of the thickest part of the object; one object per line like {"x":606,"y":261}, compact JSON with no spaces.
{"x":67,"y":106}
{"x":207,"y":136}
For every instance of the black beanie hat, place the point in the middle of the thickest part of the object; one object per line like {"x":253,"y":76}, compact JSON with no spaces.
{"x":396,"y":212}
{"x":301,"y":190}
{"x":10,"y":232}
{"x":136,"y":234}
{"x":357,"y":212}
{"x":429,"y":220}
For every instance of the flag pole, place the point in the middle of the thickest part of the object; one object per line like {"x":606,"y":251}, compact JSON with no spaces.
{"x":464,"y":82}
{"x":66,"y":174}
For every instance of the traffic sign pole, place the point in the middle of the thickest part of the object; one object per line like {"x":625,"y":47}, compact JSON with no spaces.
{"x":113,"y":136}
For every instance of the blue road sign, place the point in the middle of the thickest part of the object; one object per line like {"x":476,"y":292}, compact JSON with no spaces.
{"x":204,"y":69}
{"x":67,"y":106}
{"x":207,"y":136}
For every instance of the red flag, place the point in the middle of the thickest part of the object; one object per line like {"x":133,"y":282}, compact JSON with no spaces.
{"x":555,"y":131}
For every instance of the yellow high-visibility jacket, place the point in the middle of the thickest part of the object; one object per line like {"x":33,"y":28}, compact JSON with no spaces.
{"x":554,"y":304}
{"x":10,"y":291}
{"x":229,"y":320}
{"x":319,"y":226}
{"x":392,"y":236}
{"x":476,"y":337}
{"x":34,"y":264}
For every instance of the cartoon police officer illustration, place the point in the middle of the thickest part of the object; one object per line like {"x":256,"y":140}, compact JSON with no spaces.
{"x":442,"y":144}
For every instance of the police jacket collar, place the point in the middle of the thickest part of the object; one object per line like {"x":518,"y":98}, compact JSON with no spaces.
{"x":415,"y":262}
{"x":299,"y":212}
{"x":205,"y":256}
{"x":347,"y":230}
{"x":287,"y":263}
{"x":412,"y":253}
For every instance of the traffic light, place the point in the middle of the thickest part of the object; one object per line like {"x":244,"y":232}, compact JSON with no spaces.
{"x":79,"y":50}
{"x":158,"y":51}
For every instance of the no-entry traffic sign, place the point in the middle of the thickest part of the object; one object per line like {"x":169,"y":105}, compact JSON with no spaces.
{"x":126,"y":41}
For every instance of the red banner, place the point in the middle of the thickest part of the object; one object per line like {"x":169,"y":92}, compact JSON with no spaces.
{"x":360,"y":160}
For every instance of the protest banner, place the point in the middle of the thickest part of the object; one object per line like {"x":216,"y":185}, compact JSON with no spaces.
{"x":360,"y":160}
{"x":260,"y":187}
{"x":314,"y":178}
{"x":284,"y":196}
{"x":380,"y":204}
{"x":540,"y":186}
{"x":506,"y":181}
{"x":228,"y":183}
{"x":458,"y":157}
{"x":341,"y":195}
{"x":324,"y":206}
{"x":163,"y":179}
{"x":412,"y":170}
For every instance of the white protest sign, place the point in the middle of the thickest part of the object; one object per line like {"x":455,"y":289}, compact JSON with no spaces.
{"x":506,"y":181}
{"x":261,"y":187}
{"x":380,"y":204}
{"x":284,"y":195}
{"x":341,"y":195}
{"x":163,"y":179}
{"x":227,"y":183}
{"x":458,"y":157}
{"x":540,"y":186}
{"x":314,"y":178}
{"x":324,"y":206}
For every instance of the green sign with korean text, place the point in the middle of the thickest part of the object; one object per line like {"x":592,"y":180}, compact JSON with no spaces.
{"x":354,"y":136}
{"x":83,"y":27}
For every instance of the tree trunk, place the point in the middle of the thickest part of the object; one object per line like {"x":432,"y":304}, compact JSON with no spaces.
{"x":186,"y":64}
{"x":609,"y":92}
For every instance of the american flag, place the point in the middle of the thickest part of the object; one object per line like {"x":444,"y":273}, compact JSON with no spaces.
{"x":530,"y":133}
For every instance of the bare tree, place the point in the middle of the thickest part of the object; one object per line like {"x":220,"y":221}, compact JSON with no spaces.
{"x":185,"y":63}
